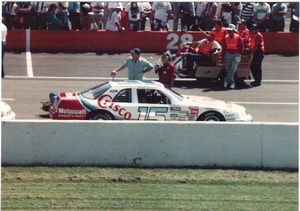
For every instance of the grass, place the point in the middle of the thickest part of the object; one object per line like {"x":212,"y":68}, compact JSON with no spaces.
{"x":66,"y":188}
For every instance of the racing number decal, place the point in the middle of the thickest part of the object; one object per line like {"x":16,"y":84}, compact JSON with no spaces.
{"x":174,"y":38}
{"x":152,"y":113}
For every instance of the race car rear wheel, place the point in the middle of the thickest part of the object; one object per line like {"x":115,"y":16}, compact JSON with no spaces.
{"x":211,"y":116}
{"x":100,"y":115}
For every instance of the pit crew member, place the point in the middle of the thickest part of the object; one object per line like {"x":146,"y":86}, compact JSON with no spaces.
{"x":166,"y":71}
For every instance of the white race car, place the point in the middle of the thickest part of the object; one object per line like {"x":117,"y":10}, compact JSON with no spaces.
{"x":140,"y":100}
{"x":6,"y":112}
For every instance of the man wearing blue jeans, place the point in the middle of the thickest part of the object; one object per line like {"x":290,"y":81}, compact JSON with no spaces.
{"x":233,"y":48}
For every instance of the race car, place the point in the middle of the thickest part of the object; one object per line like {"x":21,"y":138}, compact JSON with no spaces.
{"x":139,"y":100}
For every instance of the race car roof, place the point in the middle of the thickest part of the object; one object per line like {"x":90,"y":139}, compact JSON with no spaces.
{"x":136,"y":83}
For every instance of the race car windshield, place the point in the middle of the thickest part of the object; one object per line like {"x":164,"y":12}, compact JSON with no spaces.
{"x":96,"y":91}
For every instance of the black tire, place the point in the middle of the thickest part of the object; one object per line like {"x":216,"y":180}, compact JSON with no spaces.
{"x":211,"y":116}
{"x":100,"y":115}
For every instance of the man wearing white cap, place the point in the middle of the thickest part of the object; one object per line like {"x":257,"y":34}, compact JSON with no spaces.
{"x":233,"y":48}
{"x":136,"y":65}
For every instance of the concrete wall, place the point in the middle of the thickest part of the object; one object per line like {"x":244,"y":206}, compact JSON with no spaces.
{"x":151,"y":144}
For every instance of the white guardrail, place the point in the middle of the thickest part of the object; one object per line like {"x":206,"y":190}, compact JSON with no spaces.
{"x":150,"y":144}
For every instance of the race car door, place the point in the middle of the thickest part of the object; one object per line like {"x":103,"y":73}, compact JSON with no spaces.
{"x":152,"y":105}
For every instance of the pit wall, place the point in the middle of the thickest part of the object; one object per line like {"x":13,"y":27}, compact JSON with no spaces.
{"x":150,"y":144}
{"x":148,"y":41}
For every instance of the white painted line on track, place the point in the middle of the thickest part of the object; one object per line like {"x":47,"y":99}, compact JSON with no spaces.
{"x":265,"y":103}
{"x":125,"y":78}
{"x":29,"y":65}
{"x":8,"y":99}
{"x":28,"y":55}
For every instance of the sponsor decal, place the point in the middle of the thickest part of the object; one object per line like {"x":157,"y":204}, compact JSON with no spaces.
{"x":105,"y":101}
{"x":174,"y":109}
{"x":63,"y":94}
{"x":85,"y":103}
{"x":173,"y":116}
{"x":71,"y":111}
{"x":194,"y":110}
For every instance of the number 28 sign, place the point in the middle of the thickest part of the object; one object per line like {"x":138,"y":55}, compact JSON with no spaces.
{"x":177,"y":40}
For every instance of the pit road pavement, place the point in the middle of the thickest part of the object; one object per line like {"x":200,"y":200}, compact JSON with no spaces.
{"x":275,"y":101}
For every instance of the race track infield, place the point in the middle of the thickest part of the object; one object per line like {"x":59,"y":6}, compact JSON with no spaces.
{"x":44,"y":188}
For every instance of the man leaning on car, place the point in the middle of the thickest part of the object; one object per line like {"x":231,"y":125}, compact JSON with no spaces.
{"x":136,"y":65}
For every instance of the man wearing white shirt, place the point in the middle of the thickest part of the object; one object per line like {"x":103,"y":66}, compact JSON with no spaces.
{"x":134,"y":11}
{"x":261,"y":16}
{"x":160,"y":13}
{"x":113,"y":21}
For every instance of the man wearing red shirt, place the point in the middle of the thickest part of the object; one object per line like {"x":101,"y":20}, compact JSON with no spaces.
{"x":257,"y":46}
{"x":244,"y":32}
{"x":202,"y":52}
{"x":219,"y":32}
{"x":233,"y":48}
{"x":166,"y":71}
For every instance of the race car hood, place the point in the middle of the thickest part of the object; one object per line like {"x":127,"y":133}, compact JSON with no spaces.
{"x":209,"y":102}
{"x":55,"y":96}
{"x":67,"y":95}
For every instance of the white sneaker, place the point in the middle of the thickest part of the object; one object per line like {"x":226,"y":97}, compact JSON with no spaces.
{"x":232,"y":86}
{"x":225,"y":84}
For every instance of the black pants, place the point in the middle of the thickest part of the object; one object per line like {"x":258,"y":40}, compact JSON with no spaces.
{"x":278,"y":25}
{"x":143,"y":23}
{"x":3,"y":50}
{"x":256,"y":66}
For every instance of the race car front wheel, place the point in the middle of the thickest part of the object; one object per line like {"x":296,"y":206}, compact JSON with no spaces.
{"x":99,"y":115}
{"x":211,"y":116}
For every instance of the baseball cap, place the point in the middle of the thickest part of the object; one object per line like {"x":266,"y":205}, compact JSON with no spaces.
{"x":136,"y":51}
{"x":231,"y":27}
{"x":166,"y":55}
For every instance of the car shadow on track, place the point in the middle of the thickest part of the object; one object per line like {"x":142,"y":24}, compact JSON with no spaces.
{"x":43,"y":116}
{"x":207,"y":86}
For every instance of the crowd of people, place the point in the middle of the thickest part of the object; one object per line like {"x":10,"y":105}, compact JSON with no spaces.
{"x":133,"y":16}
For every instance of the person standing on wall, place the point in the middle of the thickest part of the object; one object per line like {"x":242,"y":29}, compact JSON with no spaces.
{"x":233,"y":48}
{"x":4,"y":34}
{"x":257,"y":46}
{"x":136,"y":65}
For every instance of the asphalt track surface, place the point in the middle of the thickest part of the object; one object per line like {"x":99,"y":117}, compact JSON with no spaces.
{"x":277,"y":100}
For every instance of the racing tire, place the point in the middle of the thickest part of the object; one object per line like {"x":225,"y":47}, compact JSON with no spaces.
{"x":100,"y":115}
{"x":211,"y":116}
